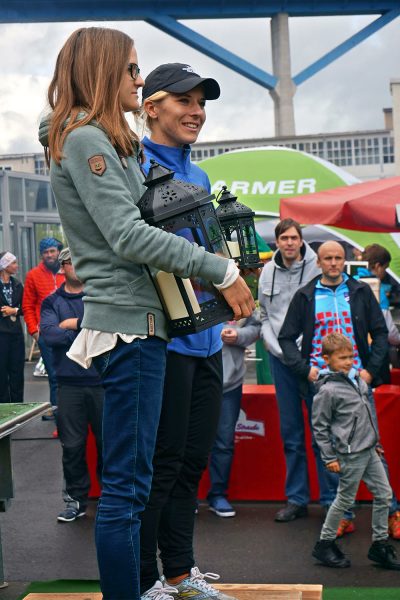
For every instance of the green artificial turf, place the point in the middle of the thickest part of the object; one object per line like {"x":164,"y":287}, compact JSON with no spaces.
{"x":361,"y":593}
{"x":61,"y":586}
{"x":10,"y":410}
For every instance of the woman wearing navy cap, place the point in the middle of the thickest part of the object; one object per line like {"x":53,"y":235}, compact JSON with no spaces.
{"x":174,"y":99}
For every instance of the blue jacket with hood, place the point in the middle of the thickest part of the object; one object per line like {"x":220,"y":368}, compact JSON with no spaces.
{"x":56,"y":308}
{"x":208,"y":342}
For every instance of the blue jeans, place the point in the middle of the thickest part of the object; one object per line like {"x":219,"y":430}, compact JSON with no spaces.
{"x":133,"y":377}
{"x":222,"y":452}
{"x":47,"y":355}
{"x":293,"y":436}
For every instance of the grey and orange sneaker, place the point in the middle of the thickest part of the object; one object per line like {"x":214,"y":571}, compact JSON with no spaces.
{"x":195,"y":587}
{"x":159,"y":591}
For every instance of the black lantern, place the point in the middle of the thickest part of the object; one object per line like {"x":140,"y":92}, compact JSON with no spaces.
{"x":237,"y":222}
{"x":186,"y":210}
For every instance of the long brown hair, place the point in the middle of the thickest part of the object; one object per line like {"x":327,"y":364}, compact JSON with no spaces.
{"x":87,"y":77}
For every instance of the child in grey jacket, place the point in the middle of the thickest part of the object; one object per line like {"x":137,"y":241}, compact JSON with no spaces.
{"x":348,"y":440}
{"x":236,"y":337}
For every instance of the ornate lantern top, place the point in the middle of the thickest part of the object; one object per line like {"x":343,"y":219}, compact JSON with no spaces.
{"x":230,"y":207}
{"x":166,"y":197}
{"x":237,"y":221}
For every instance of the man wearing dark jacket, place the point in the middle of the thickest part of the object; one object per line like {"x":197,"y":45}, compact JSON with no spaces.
{"x":335,"y":302}
{"x":80,"y":394}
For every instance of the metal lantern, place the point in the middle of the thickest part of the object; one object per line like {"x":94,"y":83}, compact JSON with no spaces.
{"x":186,"y":210}
{"x":237,"y":222}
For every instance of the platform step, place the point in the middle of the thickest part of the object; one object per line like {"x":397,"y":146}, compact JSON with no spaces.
{"x":240,"y":591}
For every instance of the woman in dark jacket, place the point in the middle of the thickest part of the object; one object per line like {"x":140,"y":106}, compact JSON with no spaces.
{"x":12,"y":345}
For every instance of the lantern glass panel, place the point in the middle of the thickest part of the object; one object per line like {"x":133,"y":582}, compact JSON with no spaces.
{"x":232,"y":239}
{"x":249,"y":237}
{"x":214,"y":232}
{"x":194,"y":235}
{"x":204,"y":290}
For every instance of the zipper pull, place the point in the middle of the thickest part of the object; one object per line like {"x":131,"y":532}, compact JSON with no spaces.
{"x":348,"y":449}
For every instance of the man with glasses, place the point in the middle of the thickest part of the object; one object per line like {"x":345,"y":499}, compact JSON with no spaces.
{"x":80,"y":394}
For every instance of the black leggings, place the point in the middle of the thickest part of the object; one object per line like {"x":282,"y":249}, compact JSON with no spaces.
{"x":187,"y":429}
{"x":12,"y":361}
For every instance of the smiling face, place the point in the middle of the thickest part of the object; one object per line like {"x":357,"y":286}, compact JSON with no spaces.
{"x":177,"y":119}
{"x":128,"y":90}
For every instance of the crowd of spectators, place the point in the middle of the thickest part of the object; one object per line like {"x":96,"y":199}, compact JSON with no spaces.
{"x":305,"y":299}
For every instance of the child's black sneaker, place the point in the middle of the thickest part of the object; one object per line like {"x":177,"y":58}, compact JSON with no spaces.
{"x":328,"y":553}
{"x":384,"y":554}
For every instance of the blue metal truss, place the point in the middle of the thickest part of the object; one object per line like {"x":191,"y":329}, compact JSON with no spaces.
{"x":164,"y":15}
{"x":25,"y":11}
{"x":213,"y":50}
{"x":353,"y":41}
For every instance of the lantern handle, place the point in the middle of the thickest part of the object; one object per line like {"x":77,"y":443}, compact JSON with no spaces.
{"x":223,"y":189}
{"x":224,"y":195}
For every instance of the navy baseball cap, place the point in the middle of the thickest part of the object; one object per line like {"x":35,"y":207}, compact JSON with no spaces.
{"x":178,"y":78}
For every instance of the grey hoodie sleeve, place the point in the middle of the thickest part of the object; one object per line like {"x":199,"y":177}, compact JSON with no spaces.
{"x":109,"y":200}
{"x":250,"y":331}
{"x":267,"y":332}
{"x":321,"y":423}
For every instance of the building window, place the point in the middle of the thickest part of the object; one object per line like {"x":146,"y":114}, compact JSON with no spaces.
{"x":37,"y":196}
{"x":41,"y":167}
{"x":16,"y":194}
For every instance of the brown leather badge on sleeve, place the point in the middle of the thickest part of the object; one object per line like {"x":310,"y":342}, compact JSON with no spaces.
{"x":97,"y":164}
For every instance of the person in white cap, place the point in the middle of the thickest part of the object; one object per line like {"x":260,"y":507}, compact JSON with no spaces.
{"x":12,"y":355}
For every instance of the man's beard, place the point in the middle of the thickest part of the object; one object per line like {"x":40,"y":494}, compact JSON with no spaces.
{"x":53,"y":266}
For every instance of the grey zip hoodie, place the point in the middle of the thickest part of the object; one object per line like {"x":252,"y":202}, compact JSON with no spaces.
{"x":234,"y":367}
{"x":341,"y":413}
{"x":277,"y":287}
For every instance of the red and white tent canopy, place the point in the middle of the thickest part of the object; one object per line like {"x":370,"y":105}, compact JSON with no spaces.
{"x":367,"y":206}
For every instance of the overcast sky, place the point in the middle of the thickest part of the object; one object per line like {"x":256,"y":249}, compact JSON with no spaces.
{"x":348,"y":95}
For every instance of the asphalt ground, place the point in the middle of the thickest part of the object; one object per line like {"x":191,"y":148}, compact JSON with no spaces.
{"x":250,"y":548}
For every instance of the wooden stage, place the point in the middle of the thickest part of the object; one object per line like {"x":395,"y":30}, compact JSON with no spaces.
{"x":239,"y":591}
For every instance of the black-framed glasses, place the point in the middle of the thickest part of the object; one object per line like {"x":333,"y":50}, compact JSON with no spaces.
{"x":134,"y":70}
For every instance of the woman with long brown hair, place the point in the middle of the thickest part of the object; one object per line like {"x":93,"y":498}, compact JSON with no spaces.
{"x":96,"y":177}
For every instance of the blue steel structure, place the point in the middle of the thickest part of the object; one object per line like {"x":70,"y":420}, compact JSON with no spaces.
{"x":167,"y":14}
